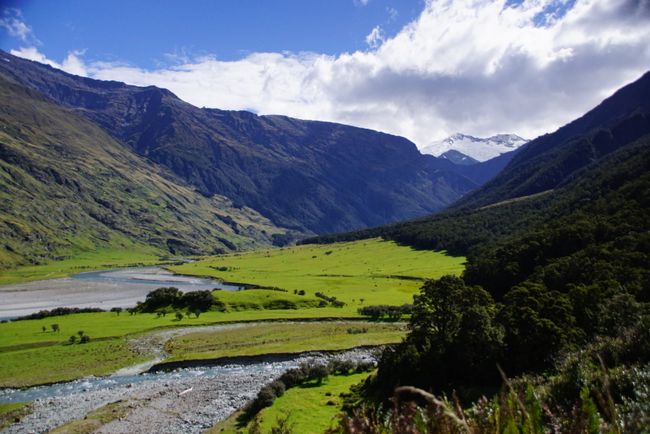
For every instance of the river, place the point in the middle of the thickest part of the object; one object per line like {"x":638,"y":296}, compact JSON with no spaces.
{"x":103,"y":289}
{"x":186,"y":400}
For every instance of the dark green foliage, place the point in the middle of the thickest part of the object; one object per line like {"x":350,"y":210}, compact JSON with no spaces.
{"x":59,"y":311}
{"x":454,"y":340}
{"x":380,"y":311}
{"x":160,"y":299}
{"x":332,"y":300}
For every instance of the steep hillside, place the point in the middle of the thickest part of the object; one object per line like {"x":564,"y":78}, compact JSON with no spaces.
{"x":67,"y":186}
{"x":536,"y":186}
{"x":550,"y":160}
{"x":309,"y":176}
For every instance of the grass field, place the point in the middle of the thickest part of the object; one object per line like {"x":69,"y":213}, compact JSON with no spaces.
{"x":358,"y":273}
{"x":64,"y":362}
{"x":83,"y":261}
{"x":310,"y":408}
{"x":282,"y":338}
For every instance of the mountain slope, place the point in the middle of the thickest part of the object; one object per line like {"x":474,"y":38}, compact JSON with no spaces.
{"x":309,"y":176}
{"x":537,"y":186}
{"x":550,"y":160}
{"x":67,"y":186}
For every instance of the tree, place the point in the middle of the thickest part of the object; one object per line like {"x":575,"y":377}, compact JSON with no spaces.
{"x":84,"y":339}
{"x":179,"y":316}
{"x":44,"y":329}
{"x":197,"y":301}
{"x":81,"y":333}
{"x":117,"y":310}
{"x":160,"y":298}
{"x":453,"y":329}
{"x":319,"y":373}
{"x":55,"y":328}
{"x":72,"y":339}
{"x":538,"y":324}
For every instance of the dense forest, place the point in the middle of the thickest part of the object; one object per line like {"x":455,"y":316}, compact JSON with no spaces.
{"x":556,"y":294}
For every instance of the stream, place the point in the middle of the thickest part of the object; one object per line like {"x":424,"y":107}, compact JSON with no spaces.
{"x":187,"y":400}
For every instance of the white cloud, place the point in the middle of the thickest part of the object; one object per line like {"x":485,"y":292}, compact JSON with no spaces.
{"x":73,"y":62}
{"x":12,"y":21}
{"x":361,"y":2}
{"x":375,"y":38}
{"x":475,"y":66}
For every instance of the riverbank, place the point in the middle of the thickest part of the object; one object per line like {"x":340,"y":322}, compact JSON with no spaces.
{"x":185,"y":400}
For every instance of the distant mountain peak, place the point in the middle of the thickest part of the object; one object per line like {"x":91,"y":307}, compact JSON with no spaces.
{"x":477,"y":148}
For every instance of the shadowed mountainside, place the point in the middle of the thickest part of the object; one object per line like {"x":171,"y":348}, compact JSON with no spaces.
{"x":67,"y":186}
{"x":313,"y":177}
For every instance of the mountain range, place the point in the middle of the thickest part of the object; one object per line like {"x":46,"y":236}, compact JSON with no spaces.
{"x":459,"y":147}
{"x":548,"y":179}
{"x":138,"y":164}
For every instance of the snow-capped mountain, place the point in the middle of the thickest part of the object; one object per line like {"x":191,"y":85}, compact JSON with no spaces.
{"x":481,"y":149}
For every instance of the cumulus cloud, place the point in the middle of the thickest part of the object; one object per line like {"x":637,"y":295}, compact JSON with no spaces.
{"x":13,"y":23}
{"x":475,"y":66}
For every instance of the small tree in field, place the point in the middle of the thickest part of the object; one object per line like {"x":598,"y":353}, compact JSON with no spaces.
{"x":72,"y":339}
{"x":84,"y":339}
{"x":117,"y":310}
{"x":44,"y":329}
{"x":55,"y":328}
{"x":81,"y":333}
{"x":179,"y":316}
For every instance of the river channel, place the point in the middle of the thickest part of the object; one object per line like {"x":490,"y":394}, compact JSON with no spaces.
{"x":105,"y":289}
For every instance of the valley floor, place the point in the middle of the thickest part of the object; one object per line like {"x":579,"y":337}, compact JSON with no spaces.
{"x":295,"y":286}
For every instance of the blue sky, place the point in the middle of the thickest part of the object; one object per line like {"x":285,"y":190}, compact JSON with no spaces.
{"x":422,"y":69}
{"x":146,"y":32}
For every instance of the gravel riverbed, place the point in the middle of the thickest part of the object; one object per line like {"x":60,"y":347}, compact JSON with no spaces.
{"x":165,"y":405}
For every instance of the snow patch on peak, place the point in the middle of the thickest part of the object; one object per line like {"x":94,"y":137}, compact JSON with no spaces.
{"x":481,"y":149}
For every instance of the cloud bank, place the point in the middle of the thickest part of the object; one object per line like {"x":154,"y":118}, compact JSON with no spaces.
{"x":479,"y":67}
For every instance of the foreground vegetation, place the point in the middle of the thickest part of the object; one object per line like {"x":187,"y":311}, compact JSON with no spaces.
{"x":561,"y":302}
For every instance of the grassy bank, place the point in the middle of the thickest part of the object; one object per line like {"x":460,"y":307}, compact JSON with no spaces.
{"x":282,"y":338}
{"x":78,"y":262}
{"x":64,"y":362}
{"x":309,"y":408}
{"x":11,"y":412}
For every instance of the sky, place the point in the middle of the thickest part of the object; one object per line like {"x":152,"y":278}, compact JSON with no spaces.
{"x":423,"y":69}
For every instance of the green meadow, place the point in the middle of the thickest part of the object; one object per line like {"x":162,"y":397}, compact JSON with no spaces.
{"x":283,"y":338}
{"x":357,"y":273}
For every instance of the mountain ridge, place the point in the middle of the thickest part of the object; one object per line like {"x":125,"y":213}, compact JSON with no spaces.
{"x":477,"y":148}
{"x":306,"y":176}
